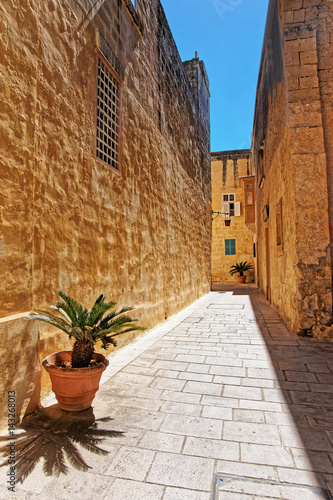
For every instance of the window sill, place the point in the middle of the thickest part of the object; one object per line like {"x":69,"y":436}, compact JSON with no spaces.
{"x":134,"y":15}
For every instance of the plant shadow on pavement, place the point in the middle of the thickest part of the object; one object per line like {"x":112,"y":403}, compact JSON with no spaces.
{"x":304,"y":375}
{"x":56,"y":436}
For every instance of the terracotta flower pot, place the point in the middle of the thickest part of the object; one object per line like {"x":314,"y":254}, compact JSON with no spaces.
{"x":74,"y":388}
{"x":241,"y":279}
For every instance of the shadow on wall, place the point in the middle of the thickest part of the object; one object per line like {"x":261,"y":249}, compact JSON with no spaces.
{"x":304,"y":375}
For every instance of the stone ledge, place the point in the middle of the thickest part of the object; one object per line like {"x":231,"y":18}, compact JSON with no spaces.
{"x":237,"y":153}
{"x":14,"y":317}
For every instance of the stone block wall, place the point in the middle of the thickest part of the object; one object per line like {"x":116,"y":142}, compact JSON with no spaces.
{"x":19,"y":367}
{"x":230,"y":169}
{"x":140,"y":235}
{"x":291,"y":161}
{"x":198,"y":78}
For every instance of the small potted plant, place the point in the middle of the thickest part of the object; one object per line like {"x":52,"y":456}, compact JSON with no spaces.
{"x":239,"y":269}
{"x":75,"y":374}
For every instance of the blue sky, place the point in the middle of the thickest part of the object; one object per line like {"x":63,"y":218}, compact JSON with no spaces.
{"x":228,"y":35}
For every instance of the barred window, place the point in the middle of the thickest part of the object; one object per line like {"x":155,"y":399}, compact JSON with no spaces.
{"x":108,"y":103}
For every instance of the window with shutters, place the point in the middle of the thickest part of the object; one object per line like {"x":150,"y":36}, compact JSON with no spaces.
{"x":230,"y":205}
{"x":249,"y":201}
{"x":230,"y":247}
{"x":108,"y":116}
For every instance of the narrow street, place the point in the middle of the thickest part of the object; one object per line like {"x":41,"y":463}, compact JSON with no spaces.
{"x":219,"y":402}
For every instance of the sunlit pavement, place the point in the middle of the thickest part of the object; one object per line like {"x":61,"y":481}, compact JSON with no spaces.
{"x":219,"y":402}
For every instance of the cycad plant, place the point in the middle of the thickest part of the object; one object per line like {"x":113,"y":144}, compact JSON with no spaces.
{"x":240,"y":268}
{"x":87,"y":327}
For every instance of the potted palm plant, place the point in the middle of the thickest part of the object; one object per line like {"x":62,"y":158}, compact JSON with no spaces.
{"x":239,"y":268}
{"x":75,"y":374}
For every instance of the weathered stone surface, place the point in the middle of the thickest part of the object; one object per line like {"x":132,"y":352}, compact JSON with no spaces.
{"x":19,"y":368}
{"x":141,"y":235}
{"x":292,"y":128}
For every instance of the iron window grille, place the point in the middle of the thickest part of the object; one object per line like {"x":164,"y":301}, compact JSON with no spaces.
{"x":108,"y":116}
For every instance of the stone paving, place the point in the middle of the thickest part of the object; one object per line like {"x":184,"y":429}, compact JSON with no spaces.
{"x":219,"y":402}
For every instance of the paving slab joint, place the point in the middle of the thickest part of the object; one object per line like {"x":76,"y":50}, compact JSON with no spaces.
{"x":221,"y":480}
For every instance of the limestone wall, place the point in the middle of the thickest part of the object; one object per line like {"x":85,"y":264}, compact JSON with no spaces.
{"x":308,"y":24}
{"x":19,"y":367}
{"x":141,"y":235}
{"x":229,"y":172}
{"x":294,"y":264}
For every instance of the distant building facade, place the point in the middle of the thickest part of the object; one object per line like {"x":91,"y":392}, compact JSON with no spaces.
{"x":233,"y":195}
{"x":293,"y":160}
{"x":105,"y":171}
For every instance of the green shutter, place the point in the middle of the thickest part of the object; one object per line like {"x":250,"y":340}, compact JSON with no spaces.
{"x":227,"y":247}
{"x":230,"y":247}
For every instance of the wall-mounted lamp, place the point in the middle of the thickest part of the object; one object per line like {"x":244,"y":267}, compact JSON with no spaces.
{"x":226,"y":215}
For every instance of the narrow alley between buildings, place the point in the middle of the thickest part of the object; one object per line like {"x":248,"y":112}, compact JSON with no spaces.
{"x":220,"y":401}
